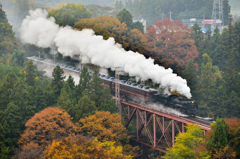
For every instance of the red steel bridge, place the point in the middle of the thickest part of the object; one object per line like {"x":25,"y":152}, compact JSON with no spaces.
{"x":147,"y":126}
{"x":154,"y":128}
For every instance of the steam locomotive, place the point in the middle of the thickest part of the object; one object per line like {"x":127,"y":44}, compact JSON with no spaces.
{"x":128,"y":89}
{"x":133,"y":90}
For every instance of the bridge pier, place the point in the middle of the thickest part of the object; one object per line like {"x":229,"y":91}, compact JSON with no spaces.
{"x":154,"y":128}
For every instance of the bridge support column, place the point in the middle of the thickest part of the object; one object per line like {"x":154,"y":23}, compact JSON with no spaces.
{"x":173,"y":132}
{"x":163,"y":120}
{"x":137,"y":125}
{"x":154,"y":130}
{"x":183,"y":129}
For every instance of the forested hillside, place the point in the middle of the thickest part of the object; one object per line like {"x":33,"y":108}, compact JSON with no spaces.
{"x":56,"y":118}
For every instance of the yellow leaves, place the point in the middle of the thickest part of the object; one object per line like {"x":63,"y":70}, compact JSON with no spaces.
{"x":84,"y":148}
{"x":105,"y":126}
{"x":184,"y":146}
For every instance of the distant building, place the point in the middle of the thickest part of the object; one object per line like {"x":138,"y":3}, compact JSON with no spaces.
{"x":190,"y":22}
{"x":204,"y":24}
{"x":144,"y":23}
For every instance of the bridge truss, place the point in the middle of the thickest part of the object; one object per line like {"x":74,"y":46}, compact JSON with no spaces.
{"x":153,"y":128}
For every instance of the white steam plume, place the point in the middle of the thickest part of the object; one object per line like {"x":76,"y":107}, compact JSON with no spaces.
{"x":39,"y":30}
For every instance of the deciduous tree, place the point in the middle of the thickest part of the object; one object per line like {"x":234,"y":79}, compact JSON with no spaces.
{"x":171,"y":40}
{"x":69,"y":14}
{"x":81,"y":147}
{"x":185,"y":142}
{"x":47,"y":125}
{"x":105,"y":126}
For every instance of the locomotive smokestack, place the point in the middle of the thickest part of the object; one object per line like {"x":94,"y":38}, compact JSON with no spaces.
{"x":39,"y":30}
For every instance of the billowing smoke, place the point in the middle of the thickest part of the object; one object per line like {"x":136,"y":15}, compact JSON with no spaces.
{"x":39,"y":30}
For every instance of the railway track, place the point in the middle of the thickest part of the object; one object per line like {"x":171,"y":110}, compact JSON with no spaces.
{"x":196,"y":120}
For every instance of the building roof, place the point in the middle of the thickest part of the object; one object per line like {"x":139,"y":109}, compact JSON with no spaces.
{"x":192,"y":20}
{"x":211,"y":21}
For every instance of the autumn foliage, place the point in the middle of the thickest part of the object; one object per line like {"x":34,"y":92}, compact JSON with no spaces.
{"x":47,"y":125}
{"x":76,"y":147}
{"x":172,"y":42}
{"x":107,"y":127}
{"x":111,"y":27}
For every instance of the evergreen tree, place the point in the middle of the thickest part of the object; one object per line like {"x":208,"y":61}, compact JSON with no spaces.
{"x":125,"y":16}
{"x":107,"y":102}
{"x":83,"y":82}
{"x":84,"y":108}
{"x":198,"y":37}
{"x":30,"y":74}
{"x":65,"y":99}
{"x":231,"y":74}
{"x":136,"y":8}
{"x":190,"y":74}
{"x":6,"y":89}
{"x":7,"y":39}
{"x":18,"y":57}
{"x":226,"y":11}
{"x":96,"y":88}
{"x":58,"y":80}
{"x":71,"y":82}
{"x":41,"y":99}
{"x":138,"y":25}
{"x":219,"y":137}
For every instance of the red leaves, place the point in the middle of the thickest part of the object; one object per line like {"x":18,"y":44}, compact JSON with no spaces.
{"x":172,"y":41}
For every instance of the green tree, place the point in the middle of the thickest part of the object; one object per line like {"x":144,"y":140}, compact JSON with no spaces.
{"x":96,"y":88}
{"x":107,"y":103}
{"x":138,"y":25}
{"x":190,"y":74}
{"x":41,"y":99}
{"x":83,"y":82}
{"x":6,"y":89}
{"x":58,"y":80}
{"x":30,"y":74}
{"x":65,"y":100}
{"x":8,"y":41}
{"x":219,"y":137}
{"x":231,"y":74}
{"x":226,"y":11}
{"x":69,"y":14}
{"x":185,"y":143}
{"x":85,"y":107}
{"x":71,"y":82}
{"x":125,"y":16}
{"x":18,"y":57}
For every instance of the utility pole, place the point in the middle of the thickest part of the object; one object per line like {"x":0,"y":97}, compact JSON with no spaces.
{"x":204,"y":22}
{"x":162,"y":15}
{"x":170,"y":15}
{"x":217,"y":13}
{"x":39,"y":54}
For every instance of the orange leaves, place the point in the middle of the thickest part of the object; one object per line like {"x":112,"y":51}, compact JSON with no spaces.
{"x":47,"y":125}
{"x":111,"y":27}
{"x":105,"y":126}
{"x":234,"y":123}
